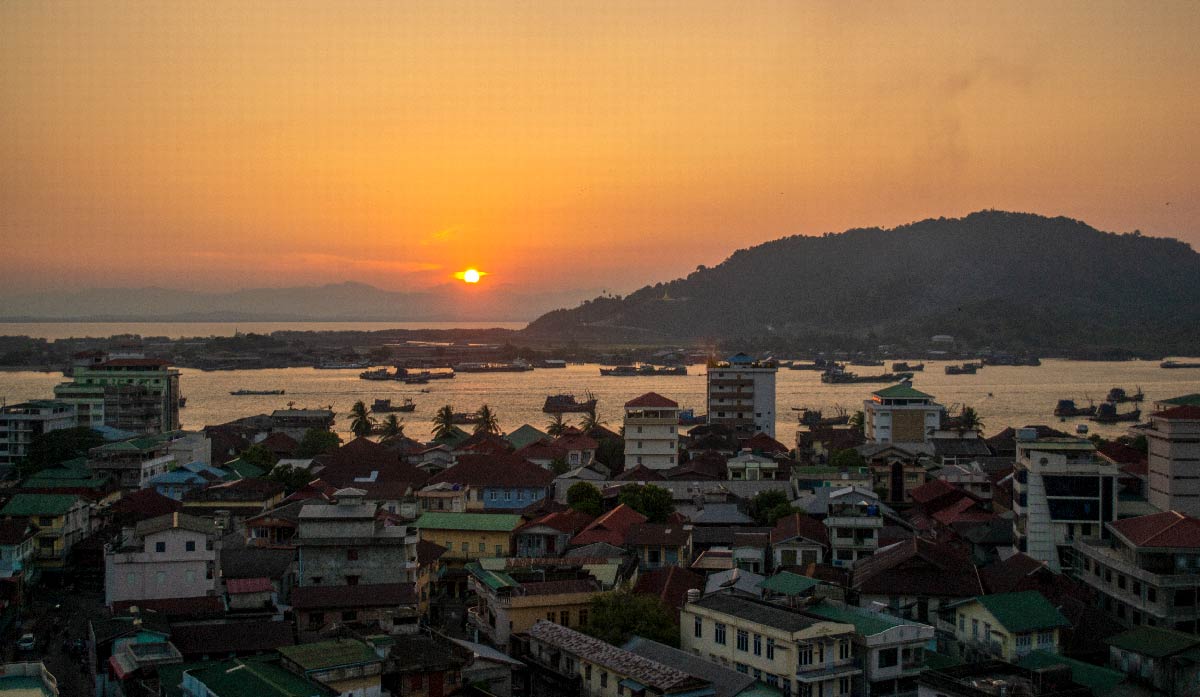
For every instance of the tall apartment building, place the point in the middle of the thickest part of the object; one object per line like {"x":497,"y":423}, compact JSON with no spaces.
{"x":651,"y":432}
{"x":131,"y":393}
{"x":171,"y":556}
{"x":133,"y":463}
{"x":21,"y":423}
{"x":1061,"y":490}
{"x":345,"y":545}
{"x":741,"y":395}
{"x":902,"y":415}
{"x":1174,"y":459}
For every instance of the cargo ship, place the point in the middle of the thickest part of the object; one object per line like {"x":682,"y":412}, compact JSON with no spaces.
{"x":1107,"y":414}
{"x":567,"y":404}
{"x":244,"y":393}
{"x":631,"y":371}
{"x":517,"y":366}
{"x":1066,"y":407}
{"x":839,"y":376}
{"x":384,"y":406}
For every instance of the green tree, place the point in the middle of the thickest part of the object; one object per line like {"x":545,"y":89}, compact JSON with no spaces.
{"x":486,"y":421}
{"x":393,"y":427}
{"x":857,"y":420}
{"x":360,"y":420}
{"x":559,"y":466}
{"x":654,"y":502}
{"x":847,"y":459}
{"x":317,"y":441}
{"x":292,"y":478}
{"x":610,"y":452}
{"x":259,"y":456}
{"x":617,"y":616}
{"x":443,"y":422}
{"x":969,"y":420}
{"x":591,"y":420}
{"x":585,"y":498}
{"x":769,"y":506}
{"x":55,"y":447}
{"x":556,"y":426}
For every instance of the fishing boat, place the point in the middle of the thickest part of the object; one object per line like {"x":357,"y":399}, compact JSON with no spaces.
{"x":964,"y":369}
{"x":839,"y":376}
{"x":567,"y":404}
{"x":1178,"y":364}
{"x":384,"y":406}
{"x":517,"y":366}
{"x":1107,"y":414}
{"x":463,"y":418}
{"x":902,"y":367}
{"x":818,"y":364}
{"x":244,"y":393}
{"x":867,"y":362}
{"x":1067,"y":407}
{"x":1118,"y":395}
{"x":377,"y":374}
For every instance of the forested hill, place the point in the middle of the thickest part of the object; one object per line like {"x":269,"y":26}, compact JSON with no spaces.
{"x":1009,"y":280}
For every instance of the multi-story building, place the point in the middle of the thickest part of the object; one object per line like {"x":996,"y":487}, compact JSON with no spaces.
{"x":133,"y":463}
{"x":798,"y":653}
{"x":1173,"y":459}
{"x":296,"y":422}
{"x":21,"y":423}
{"x":504,"y":482}
{"x":916,"y":579}
{"x":891,"y":649}
{"x":741,"y":395}
{"x":510,"y":600}
{"x":751,"y":467}
{"x":62,"y":520}
{"x":853,"y":519}
{"x":129,"y":392}
{"x":997,"y":679}
{"x":798,"y":540}
{"x":1148,"y":570}
{"x":901,"y":414}
{"x":349,"y":667}
{"x":469,"y":535}
{"x":550,"y":535}
{"x":1061,"y":490}
{"x":344,"y":544}
{"x":651,"y":432}
{"x":171,"y":556}
{"x":1006,"y":626}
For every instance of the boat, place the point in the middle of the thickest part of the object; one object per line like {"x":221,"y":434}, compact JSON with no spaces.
{"x":384,"y":406}
{"x":818,"y":364}
{"x":423,"y":377}
{"x":1107,"y":414}
{"x":341,"y":365}
{"x":462,"y":418}
{"x":866,"y":362}
{"x":964,"y":369}
{"x":902,"y":367}
{"x":377,"y":374}
{"x":1178,"y":364}
{"x":839,"y":376}
{"x":517,"y":366}
{"x":1066,"y":407}
{"x":688,"y":417}
{"x":814,"y":419}
{"x":552,"y":363}
{"x":1081,"y":429}
{"x":243,"y":393}
{"x":567,"y":404}
{"x":1008,"y":359}
{"x":643,"y":371}
{"x":1118,"y":395}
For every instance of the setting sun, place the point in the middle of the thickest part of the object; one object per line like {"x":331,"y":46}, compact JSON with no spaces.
{"x":470,"y":275}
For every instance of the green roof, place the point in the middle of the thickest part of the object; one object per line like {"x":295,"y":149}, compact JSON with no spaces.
{"x":39,"y":504}
{"x":492,"y":579}
{"x":139,"y":444}
{"x":70,"y":474}
{"x":256,"y":677}
{"x":524,"y":435}
{"x":1021,"y":612}
{"x":1155,"y":642}
{"x":865,"y":622}
{"x":1096,"y":678}
{"x":243,"y":469}
{"x":486,"y":522}
{"x":456,"y":436}
{"x":901,"y":391}
{"x":324,"y":655}
{"x":1192,"y":400}
{"x":787,"y":583}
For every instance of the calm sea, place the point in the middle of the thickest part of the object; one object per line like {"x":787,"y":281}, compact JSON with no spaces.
{"x":1004,"y":396}
{"x":179,"y":330}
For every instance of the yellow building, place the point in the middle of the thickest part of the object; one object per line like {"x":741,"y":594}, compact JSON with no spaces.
{"x":468,"y":536}
{"x":61,"y":519}
{"x":508,"y":606}
{"x":1007,"y":626}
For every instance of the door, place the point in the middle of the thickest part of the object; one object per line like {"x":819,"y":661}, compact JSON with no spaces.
{"x":787,"y":557}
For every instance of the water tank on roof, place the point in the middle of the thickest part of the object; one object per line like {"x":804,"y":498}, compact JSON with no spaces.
{"x":1026,"y":434}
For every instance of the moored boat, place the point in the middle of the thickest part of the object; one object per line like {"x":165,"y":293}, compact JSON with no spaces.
{"x":643,"y":371}
{"x":964,"y":369}
{"x":1118,"y":395}
{"x":384,"y":406}
{"x":1178,"y":364}
{"x":1107,"y":414}
{"x":567,"y":404}
{"x":839,"y":376}
{"x":243,"y":393}
{"x":902,"y":367}
{"x":377,"y":374}
{"x":1067,"y":407}
{"x":517,"y":366}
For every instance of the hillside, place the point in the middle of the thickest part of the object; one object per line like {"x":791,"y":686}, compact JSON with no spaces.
{"x":1009,"y":280}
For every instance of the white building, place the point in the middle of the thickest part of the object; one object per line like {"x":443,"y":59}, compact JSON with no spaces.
{"x":746,"y":465}
{"x":741,"y":395}
{"x":651,"y":432}
{"x":21,"y":423}
{"x":171,"y":556}
{"x":1174,"y":459}
{"x":1061,"y":490}
{"x":899,"y":414}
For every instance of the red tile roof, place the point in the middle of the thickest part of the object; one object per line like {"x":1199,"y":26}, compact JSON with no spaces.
{"x":670,"y":584}
{"x":145,"y":504}
{"x":280,"y":443}
{"x":640,"y":473}
{"x":799,"y":525}
{"x":494,"y":470}
{"x":1167,"y":529}
{"x":485,"y":443}
{"x":1121,"y":454}
{"x":762,"y":443}
{"x":612,"y":527}
{"x":933,"y":490}
{"x":918,"y":567}
{"x":575,"y":441}
{"x":652,"y":399}
{"x":1187,"y":412}
{"x":362,"y":595}
{"x":1012,"y":574}
{"x":964,"y":510}
{"x":569,"y":522}
{"x":541,"y":450}
{"x":656,"y":534}
{"x":236,"y":586}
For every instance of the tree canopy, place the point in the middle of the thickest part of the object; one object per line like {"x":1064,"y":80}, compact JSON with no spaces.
{"x":617,"y":616}
{"x":654,"y":502}
{"x":259,"y":456}
{"x":55,"y":447}
{"x":769,"y":506}
{"x":317,"y":441}
{"x":585,"y":498}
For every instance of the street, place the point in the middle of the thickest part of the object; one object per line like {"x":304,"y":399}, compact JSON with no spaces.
{"x":58,"y":619}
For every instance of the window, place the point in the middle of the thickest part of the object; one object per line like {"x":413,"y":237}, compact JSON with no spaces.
{"x":466,"y":547}
{"x":1045,"y":638}
{"x":844,"y":685}
{"x":482,"y":547}
{"x":603,"y":679}
{"x":352,"y":580}
{"x":806,"y":655}
{"x":352,"y":554}
{"x":499,"y":550}
{"x":508,"y":496}
{"x":742,"y":667}
{"x":743,"y":640}
{"x":719,"y":633}
{"x":757,"y":674}
{"x":1024,"y":640}
{"x":699,"y":630}
{"x":550,"y":616}
{"x":316,"y":580}
{"x":962,"y":622}
{"x":770,"y":649}
{"x":564,"y":618}
{"x":1151,"y":594}
{"x":160,"y":546}
{"x":888,"y":658}
{"x":757,"y":644}
{"x":587,"y":672}
{"x":583,"y":616}
{"x":975,"y":629}
{"x":843,"y":649}
{"x":190,"y":545}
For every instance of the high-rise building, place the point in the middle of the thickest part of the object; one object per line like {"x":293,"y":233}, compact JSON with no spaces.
{"x":1173,"y":458}
{"x":21,"y":423}
{"x":129,"y":392}
{"x":651,"y":432}
{"x":741,"y":395}
{"x":1061,"y":490}
{"x":902,"y":415}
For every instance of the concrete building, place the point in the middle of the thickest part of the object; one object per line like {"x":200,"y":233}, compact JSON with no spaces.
{"x":62,"y":520}
{"x":651,"y":432}
{"x":172,"y":556}
{"x":1061,"y":490}
{"x":1174,"y":459}
{"x":784,"y":648}
{"x":344,"y":545}
{"x":1006,"y":626}
{"x":133,"y":463}
{"x":510,"y":601}
{"x":469,"y":536}
{"x":296,"y":422}
{"x":854,"y":519}
{"x":27,"y":680}
{"x":900,"y":414}
{"x":1148,"y":570}
{"x":751,"y":467}
{"x":127,"y":392}
{"x":349,"y":667}
{"x":1163,"y":659}
{"x":798,"y":540}
{"x":741,"y":395}
{"x":891,"y":649}
{"x":21,"y":423}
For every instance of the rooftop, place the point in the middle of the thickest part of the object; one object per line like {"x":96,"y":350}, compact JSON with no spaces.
{"x":755,"y":611}
{"x":901,"y":391}
{"x":334,"y":653}
{"x":866,"y":622}
{"x":1169,"y":529}
{"x":788,"y":583}
{"x":487,"y":522}
{"x":652,"y":400}
{"x":645,"y":671}
{"x":1023,"y":611}
{"x":256,"y":677}
{"x":1156,"y":642}
{"x":39,"y":504}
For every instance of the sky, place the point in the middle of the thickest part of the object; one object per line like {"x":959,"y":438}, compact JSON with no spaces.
{"x":564,"y":145}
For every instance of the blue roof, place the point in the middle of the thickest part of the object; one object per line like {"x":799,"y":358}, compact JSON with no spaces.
{"x":740,"y":358}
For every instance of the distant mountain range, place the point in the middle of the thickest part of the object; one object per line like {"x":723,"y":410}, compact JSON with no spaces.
{"x":1010,"y":280}
{"x":344,"y":302}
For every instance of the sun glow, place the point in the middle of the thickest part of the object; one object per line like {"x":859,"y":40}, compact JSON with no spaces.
{"x":470,"y":275}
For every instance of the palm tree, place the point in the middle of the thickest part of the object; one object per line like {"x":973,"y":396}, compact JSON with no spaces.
{"x":556,"y":426}
{"x":360,"y":420}
{"x":857,"y":420}
{"x":393,"y":427}
{"x":486,"y":421}
{"x":443,"y":422}
{"x":590,"y":421}
{"x":969,"y":420}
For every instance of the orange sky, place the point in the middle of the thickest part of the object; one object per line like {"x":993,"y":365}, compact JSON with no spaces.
{"x":565,"y":144}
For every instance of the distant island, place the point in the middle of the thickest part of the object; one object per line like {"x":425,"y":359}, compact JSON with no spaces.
{"x":1016,"y":281}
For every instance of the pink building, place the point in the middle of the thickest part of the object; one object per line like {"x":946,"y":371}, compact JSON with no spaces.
{"x":171,"y":556}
